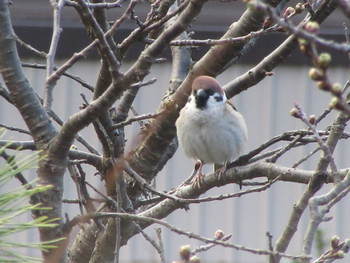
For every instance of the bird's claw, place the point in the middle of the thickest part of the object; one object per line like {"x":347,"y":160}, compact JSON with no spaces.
{"x":222,"y":171}
{"x":197,"y":182}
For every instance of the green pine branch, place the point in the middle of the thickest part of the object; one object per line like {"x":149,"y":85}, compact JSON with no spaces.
{"x":13,"y":203}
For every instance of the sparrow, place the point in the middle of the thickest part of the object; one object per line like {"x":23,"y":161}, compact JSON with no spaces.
{"x":209,"y":128}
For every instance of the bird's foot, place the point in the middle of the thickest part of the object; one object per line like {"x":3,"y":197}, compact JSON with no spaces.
{"x":222,"y":171}
{"x":195,"y":171}
{"x":197,"y":182}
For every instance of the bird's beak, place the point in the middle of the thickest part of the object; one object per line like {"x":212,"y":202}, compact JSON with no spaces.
{"x":201,"y":98}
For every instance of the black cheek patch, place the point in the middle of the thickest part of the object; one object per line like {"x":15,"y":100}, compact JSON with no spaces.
{"x":218,"y":98}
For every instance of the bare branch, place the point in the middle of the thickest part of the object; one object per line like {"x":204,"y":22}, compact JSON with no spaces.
{"x":337,"y":251}
{"x":115,"y":4}
{"x":104,"y":47}
{"x":14,"y":129}
{"x":230,"y":40}
{"x":149,"y":220}
{"x":316,"y":182}
{"x":67,"y":74}
{"x":50,"y":58}
{"x":323,"y":146}
{"x":339,"y":191}
{"x":161,"y":246}
{"x":29,"y":47}
{"x":137,"y":118}
{"x":23,"y":145}
{"x":209,"y":246}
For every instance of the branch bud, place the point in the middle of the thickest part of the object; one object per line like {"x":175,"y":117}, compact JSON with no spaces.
{"x":337,"y":89}
{"x":303,"y":44}
{"x":251,"y":5}
{"x":335,"y":241}
{"x":185,"y":252}
{"x":267,"y":23}
{"x":312,"y":27}
{"x":323,"y":60}
{"x":336,"y":104}
{"x":289,"y":11}
{"x":324,"y":85}
{"x":316,"y":74}
{"x":340,"y":254}
{"x":219,"y":234}
{"x":312,"y":119}
{"x":299,"y":8}
{"x":195,"y":259}
{"x":295,"y":113}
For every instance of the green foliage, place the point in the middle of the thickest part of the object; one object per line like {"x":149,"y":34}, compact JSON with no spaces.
{"x":320,"y":241}
{"x":13,"y":203}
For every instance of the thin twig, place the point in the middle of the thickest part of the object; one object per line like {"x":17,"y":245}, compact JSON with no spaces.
{"x":336,"y":252}
{"x":29,"y":47}
{"x":14,"y":129}
{"x":137,"y":118}
{"x":305,"y":158}
{"x":321,"y":143}
{"x":81,"y":54}
{"x":214,"y":42}
{"x":161,"y":245}
{"x":107,"y":198}
{"x":152,"y":242}
{"x":115,"y":4}
{"x":5,"y":94}
{"x":50,"y":57}
{"x":147,"y":186}
{"x":285,"y":149}
{"x":67,"y":74}
{"x":83,"y":218}
{"x":233,"y":195}
{"x":209,"y":246}
{"x":338,"y":192}
{"x":298,"y":31}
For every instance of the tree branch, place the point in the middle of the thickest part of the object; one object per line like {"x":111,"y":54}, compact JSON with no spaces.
{"x":50,"y":57}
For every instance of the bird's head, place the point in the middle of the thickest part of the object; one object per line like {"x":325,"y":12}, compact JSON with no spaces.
{"x":207,"y":93}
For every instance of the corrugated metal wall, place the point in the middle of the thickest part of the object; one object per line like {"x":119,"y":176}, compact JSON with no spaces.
{"x":266,"y":109}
